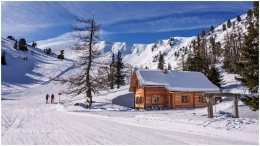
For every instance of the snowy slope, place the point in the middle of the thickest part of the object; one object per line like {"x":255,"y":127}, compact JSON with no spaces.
{"x":39,"y":68}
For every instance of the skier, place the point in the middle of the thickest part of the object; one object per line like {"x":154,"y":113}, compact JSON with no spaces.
{"x":47,"y":97}
{"x":52,"y":98}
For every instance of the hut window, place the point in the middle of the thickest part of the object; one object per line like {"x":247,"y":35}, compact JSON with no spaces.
{"x":202,"y":99}
{"x":155,"y":99}
{"x":185,"y":99}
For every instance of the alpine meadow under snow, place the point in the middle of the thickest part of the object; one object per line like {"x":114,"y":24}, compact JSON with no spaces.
{"x":26,"y":119}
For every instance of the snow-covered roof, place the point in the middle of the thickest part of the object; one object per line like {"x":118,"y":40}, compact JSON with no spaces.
{"x":176,"y":80}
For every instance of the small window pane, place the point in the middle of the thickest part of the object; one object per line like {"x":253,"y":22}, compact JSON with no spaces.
{"x":184,"y":99}
{"x":155,"y":99}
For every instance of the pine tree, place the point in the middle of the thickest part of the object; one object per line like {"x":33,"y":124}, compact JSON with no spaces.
{"x":120,"y":77}
{"x":11,"y":38}
{"x":161,"y":62}
{"x":112,"y":72}
{"x":256,"y":10}
{"x":238,"y":18}
{"x":249,"y":16}
{"x":229,"y":23}
{"x":22,"y":45}
{"x":34,"y":44}
{"x":61,"y":55}
{"x":198,"y":40}
{"x":194,"y":63}
{"x":249,"y":66}
{"x":215,"y":77}
{"x":214,"y":49}
{"x":224,"y":27}
{"x":3,"y":61}
{"x":212,"y":28}
{"x":15,"y":45}
{"x":203,"y":33}
{"x":252,"y":102}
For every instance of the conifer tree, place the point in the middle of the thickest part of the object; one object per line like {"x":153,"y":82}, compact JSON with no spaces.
{"x":3,"y":61}
{"x":249,"y":66}
{"x":229,"y":23}
{"x":249,"y":15}
{"x":161,"y":62}
{"x":256,"y":9}
{"x":224,"y":27}
{"x":34,"y":44}
{"x":120,"y":77}
{"x":238,"y":18}
{"x":252,"y":102}
{"x":11,"y":38}
{"x":214,"y":76}
{"x":22,"y":45}
{"x":203,"y":33}
{"x":61,"y":55}
{"x":212,"y":28}
{"x":15,"y":45}
{"x":112,"y":72}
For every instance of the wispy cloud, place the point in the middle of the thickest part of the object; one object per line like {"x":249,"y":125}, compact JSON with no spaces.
{"x":42,"y":18}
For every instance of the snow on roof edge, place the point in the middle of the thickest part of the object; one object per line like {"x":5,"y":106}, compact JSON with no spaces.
{"x":143,"y":83}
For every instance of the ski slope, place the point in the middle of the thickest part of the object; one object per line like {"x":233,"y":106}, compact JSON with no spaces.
{"x":31,"y":121}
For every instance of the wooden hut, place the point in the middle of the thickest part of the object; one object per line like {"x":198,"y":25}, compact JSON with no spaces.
{"x":157,"y":89}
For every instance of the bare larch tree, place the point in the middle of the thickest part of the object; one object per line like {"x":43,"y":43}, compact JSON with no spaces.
{"x":90,"y":79}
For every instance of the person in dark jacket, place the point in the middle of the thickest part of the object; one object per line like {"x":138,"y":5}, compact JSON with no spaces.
{"x":47,"y":97}
{"x":52,"y":98}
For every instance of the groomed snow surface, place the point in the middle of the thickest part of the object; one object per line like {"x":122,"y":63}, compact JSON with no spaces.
{"x":26,"y":119}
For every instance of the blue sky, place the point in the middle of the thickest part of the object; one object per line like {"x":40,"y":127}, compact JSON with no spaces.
{"x":132,"y":22}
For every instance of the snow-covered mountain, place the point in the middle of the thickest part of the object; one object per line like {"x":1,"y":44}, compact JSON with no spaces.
{"x":174,"y":50}
{"x":137,"y":55}
{"x":146,"y":55}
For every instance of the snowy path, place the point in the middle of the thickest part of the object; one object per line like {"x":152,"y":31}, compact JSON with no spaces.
{"x":37,"y":123}
{"x":27,"y":120}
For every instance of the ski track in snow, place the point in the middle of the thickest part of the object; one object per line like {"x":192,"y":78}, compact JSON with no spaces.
{"x":32,"y":122}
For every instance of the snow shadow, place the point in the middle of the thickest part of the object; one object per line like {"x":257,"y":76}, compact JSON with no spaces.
{"x":6,"y":98}
{"x":126,"y":100}
{"x":81,"y":105}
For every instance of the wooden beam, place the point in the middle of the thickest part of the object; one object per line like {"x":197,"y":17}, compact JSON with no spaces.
{"x":144,"y":97}
{"x":235,"y":99}
{"x":210,"y":106}
{"x":134,"y":96}
{"x":193,"y":95}
{"x":221,"y":94}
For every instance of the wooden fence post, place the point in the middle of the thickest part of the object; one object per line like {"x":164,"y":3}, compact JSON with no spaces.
{"x":210,"y":106}
{"x":235,"y":99}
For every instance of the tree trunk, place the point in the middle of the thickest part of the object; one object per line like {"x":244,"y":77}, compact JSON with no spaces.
{"x":89,"y":95}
